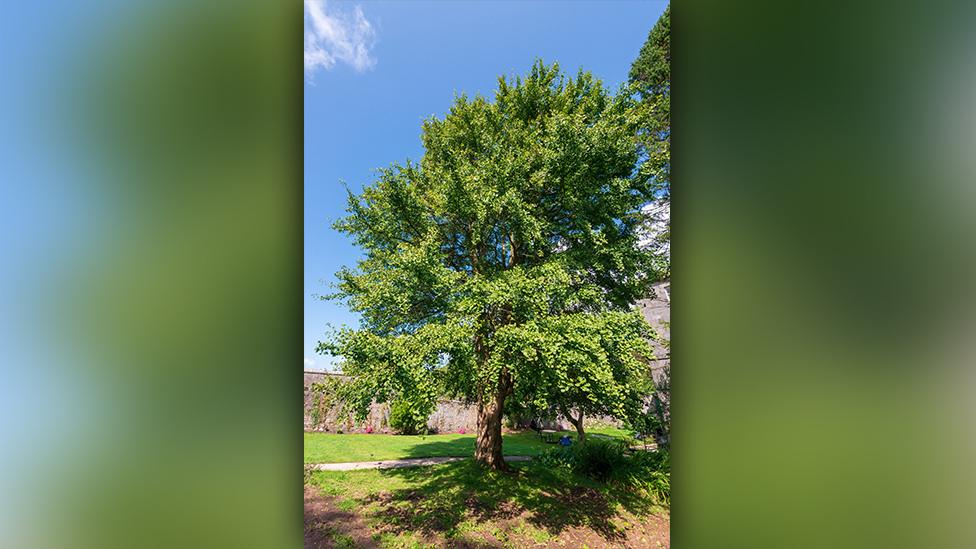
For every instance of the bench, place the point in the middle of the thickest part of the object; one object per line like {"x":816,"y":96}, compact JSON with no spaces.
{"x":548,"y":435}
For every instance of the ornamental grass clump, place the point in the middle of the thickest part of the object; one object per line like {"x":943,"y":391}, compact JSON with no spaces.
{"x":600,"y":459}
{"x":559,"y":457}
{"x":649,"y":472}
{"x":607,"y":461}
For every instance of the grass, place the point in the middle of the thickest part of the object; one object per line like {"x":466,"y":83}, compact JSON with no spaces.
{"x":460,"y":503}
{"x":333,"y":448}
{"x":343,"y":542}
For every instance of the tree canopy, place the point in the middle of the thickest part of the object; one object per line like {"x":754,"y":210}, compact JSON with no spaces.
{"x":650,"y":80}
{"x":507,"y":261}
{"x":651,"y":71}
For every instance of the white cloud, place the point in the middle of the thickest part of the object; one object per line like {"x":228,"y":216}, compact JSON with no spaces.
{"x":309,"y":362}
{"x":335,"y":37}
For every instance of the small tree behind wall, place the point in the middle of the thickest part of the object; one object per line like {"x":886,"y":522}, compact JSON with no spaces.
{"x":519,"y":225}
{"x":585,"y":365}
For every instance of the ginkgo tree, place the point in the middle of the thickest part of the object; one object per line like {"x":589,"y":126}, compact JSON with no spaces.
{"x":505,"y":263}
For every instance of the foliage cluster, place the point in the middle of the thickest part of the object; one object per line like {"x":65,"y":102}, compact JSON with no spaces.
{"x":600,"y":459}
{"x":558,"y":457}
{"x":326,"y":399}
{"x":589,"y":363}
{"x":650,"y":472}
{"x":607,"y":461}
{"x":650,"y":81}
{"x":333,"y":397}
{"x":655,"y":420}
{"x":408,"y":419}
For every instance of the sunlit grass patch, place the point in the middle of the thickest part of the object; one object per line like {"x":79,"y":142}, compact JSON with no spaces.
{"x":335,"y":448}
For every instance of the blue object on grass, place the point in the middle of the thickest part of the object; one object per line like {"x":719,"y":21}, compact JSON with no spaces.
{"x":564,"y":441}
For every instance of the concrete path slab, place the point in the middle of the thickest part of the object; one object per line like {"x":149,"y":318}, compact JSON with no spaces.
{"x":394,"y":463}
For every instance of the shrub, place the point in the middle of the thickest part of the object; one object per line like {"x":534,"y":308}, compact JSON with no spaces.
{"x":406,"y":420}
{"x":606,"y":461}
{"x":651,"y":472}
{"x":558,"y":457}
{"x":599,"y":459}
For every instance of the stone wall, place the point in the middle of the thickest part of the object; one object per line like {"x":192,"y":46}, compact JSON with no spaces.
{"x":450,"y":416}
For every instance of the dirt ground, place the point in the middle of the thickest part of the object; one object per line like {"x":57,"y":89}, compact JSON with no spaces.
{"x":327,"y":526}
{"x":323,"y":520}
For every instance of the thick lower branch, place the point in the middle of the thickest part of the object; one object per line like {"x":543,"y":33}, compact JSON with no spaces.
{"x":576,"y":421}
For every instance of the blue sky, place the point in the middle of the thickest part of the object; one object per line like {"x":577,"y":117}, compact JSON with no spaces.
{"x":376,"y":70}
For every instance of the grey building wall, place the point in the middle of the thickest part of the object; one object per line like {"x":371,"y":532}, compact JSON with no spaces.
{"x":657,"y":312}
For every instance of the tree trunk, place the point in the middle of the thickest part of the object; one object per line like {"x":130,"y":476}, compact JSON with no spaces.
{"x":488,"y":449}
{"x":580,"y":435}
{"x":491,"y":406}
{"x":488,"y":446}
{"x":577,"y":422}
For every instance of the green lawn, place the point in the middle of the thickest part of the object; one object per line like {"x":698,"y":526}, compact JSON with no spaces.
{"x":332,"y":448}
{"x":461,"y":504}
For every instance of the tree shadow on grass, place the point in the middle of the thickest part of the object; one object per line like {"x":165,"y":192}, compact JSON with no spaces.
{"x":439,"y":499}
{"x":515,"y":443}
{"x":442,"y":448}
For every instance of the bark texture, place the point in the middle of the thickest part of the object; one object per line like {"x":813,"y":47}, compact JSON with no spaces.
{"x":488,"y":446}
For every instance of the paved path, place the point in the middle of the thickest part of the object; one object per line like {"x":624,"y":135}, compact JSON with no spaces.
{"x":394,"y":463}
